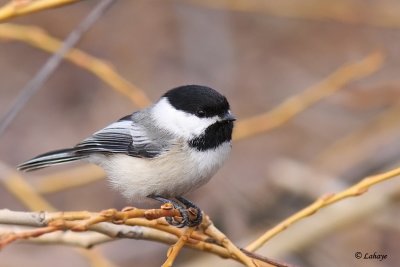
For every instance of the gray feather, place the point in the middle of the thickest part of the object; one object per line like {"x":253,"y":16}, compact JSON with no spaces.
{"x":51,"y":158}
{"x":134,"y":135}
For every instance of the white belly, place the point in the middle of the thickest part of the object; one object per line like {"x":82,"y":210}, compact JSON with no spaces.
{"x":137,"y":178}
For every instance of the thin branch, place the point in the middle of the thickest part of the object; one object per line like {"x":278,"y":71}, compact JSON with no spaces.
{"x":52,"y":228}
{"x":265,"y":259}
{"x":160,"y":224}
{"x":298,"y":103}
{"x":50,"y":66}
{"x":75,"y":221}
{"x":7,"y":238}
{"x":98,"y":234}
{"x":174,"y":250}
{"x":38,"y":38}
{"x":210,"y":229}
{"x":353,"y":191}
{"x":83,"y":240}
{"x":18,"y":8}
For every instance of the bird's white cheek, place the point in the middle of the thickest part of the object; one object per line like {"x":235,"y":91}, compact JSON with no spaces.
{"x":179,"y":122}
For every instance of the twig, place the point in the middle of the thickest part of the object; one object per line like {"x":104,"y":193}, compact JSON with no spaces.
{"x":38,"y":38}
{"x":6,"y":239}
{"x":353,"y":191}
{"x":174,"y":250}
{"x":14,"y":8}
{"x":162,"y":226}
{"x":83,"y":240}
{"x":211,"y":230}
{"x":97,"y":234}
{"x":50,"y":223}
{"x":75,"y":221}
{"x":265,"y":259}
{"x":50,"y":66}
{"x":298,"y":103}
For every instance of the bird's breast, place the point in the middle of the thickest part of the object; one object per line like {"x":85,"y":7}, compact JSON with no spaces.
{"x":173,"y":173}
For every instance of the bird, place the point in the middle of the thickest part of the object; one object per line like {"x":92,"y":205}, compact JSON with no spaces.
{"x":160,"y":152}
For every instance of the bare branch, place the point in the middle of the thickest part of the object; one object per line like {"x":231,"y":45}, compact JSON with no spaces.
{"x":174,"y":250}
{"x":18,"y":8}
{"x":50,"y":223}
{"x":210,"y":229}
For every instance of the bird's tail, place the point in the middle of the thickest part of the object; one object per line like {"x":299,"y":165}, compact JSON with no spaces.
{"x":49,"y":159}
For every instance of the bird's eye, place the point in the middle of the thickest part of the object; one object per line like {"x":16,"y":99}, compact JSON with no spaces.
{"x":201,"y":113}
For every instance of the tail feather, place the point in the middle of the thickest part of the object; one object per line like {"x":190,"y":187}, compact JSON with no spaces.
{"x":49,"y":159}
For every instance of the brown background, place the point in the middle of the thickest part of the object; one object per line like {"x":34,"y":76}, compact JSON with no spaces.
{"x":257,"y":57}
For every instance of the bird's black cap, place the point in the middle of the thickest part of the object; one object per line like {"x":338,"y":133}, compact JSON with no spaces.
{"x":200,"y":100}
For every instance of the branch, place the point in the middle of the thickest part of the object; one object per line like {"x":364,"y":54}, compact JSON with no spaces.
{"x":16,"y":8}
{"x":16,"y":184}
{"x":98,"y":234}
{"x":353,"y":191}
{"x":112,"y":224}
{"x":211,"y":230}
{"x":83,"y":240}
{"x":266,"y":260}
{"x":75,"y":221}
{"x":174,"y":250}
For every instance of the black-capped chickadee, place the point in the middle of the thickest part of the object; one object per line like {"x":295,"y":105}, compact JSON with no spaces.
{"x":160,"y":152}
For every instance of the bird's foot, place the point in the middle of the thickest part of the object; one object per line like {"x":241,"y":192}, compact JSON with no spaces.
{"x":195,"y":213}
{"x":175,"y":221}
{"x":191,"y":215}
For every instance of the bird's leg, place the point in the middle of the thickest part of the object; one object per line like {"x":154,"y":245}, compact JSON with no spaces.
{"x":193,"y":210}
{"x":182,"y":210}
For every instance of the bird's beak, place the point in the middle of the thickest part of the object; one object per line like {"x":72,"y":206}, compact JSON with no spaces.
{"x":228,"y":117}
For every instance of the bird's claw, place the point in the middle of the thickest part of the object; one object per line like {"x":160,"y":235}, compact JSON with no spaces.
{"x":195,"y":213}
{"x":190,"y":214}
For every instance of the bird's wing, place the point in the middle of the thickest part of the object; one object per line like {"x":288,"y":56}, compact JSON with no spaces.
{"x":124,"y":136}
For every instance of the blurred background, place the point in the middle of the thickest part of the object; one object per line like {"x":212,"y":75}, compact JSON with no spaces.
{"x":258,"y":54}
